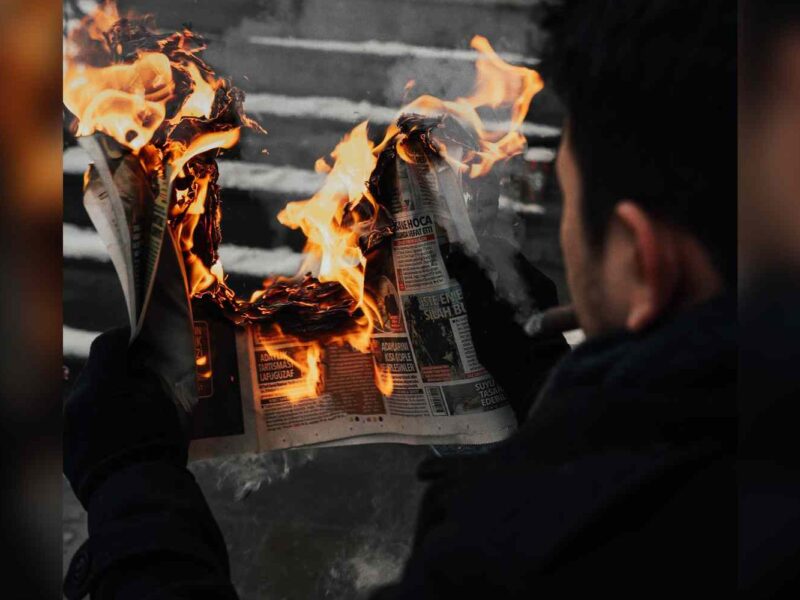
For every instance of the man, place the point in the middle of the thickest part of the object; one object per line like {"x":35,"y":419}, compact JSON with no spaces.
{"x":620,"y":478}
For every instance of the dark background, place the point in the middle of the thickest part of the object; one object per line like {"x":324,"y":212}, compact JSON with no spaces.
{"x":327,"y":523}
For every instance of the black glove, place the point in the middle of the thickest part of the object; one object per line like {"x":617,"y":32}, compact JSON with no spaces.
{"x":117,"y":415}
{"x":519,"y":363}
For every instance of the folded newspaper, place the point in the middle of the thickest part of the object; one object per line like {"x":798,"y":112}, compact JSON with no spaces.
{"x":234,"y":391}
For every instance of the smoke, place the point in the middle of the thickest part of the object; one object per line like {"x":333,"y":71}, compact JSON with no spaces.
{"x":444,"y":79}
{"x":372,"y":558}
{"x":246,"y":473}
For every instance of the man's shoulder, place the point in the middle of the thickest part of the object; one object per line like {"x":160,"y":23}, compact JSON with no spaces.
{"x":510,"y":515}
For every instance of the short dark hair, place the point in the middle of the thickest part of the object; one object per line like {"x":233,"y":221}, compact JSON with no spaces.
{"x":650,"y":92}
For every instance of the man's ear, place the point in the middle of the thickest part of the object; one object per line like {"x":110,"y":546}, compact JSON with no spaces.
{"x":655,"y":269}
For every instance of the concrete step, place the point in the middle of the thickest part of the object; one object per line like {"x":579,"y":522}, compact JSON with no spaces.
{"x":84,"y":244}
{"x":369,"y":72}
{"x":92,"y":296}
{"x":249,"y":217}
{"x":439,"y":23}
{"x":358,"y":49}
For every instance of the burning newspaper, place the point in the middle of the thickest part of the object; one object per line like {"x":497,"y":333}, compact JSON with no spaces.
{"x":370,"y":341}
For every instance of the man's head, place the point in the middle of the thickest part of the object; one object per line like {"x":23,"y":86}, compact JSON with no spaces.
{"x":648,"y":156}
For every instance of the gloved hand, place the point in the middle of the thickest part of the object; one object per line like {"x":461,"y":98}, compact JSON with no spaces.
{"x":519,"y":363}
{"x":118,"y":414}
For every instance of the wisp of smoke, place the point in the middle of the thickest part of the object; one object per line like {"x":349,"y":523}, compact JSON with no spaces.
{"x":246,"y":473}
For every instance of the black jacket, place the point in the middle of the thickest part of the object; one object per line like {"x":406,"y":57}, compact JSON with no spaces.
{"x":620,"y":482}
{"x":769,"y":449}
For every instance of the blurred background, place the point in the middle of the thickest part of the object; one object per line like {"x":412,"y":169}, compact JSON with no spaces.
{"x":324,"y":523}
{"x":30,"y":302}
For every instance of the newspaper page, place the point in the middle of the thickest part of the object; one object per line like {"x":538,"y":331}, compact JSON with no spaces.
{"x":130,"y":219}
{"x":132,"y":222}
{"x":441,"y":392}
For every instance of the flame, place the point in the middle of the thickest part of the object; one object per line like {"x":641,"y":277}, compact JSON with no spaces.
{"x":127,"y":102}
{"x":201,"y":100}
{"x":332,"y":250}
{"x":383,"y":380}
{"x":499,"y":86}
{"x":154,"y":95}
{"x":333,"y":253}
{"x":307,"y":362}
{"x":159,"y":100}
{"x":129,"y":97}
{"x":200,"y":144}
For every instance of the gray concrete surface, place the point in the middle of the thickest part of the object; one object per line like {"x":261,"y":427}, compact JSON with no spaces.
{"x":327,"y":523}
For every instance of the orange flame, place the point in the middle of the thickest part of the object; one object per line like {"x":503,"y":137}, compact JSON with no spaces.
{"x":332,"y":250}
{"x":129,"y":100}
{"x":182,"y":154}
{"x":304,"y":358}
{"x":150,"y":95}
{"x":142,"y":97}
{"x":201,"y":100}
{"x":383,"y":380}
{"x":499,"y":86}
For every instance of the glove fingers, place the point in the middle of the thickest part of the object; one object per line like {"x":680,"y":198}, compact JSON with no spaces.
{"x":538,"y":285}
{"x":108,"y":356}
{"x":475,"y":283}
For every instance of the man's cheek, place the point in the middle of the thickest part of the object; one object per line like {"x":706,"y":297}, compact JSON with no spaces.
{"x":568,"y":242}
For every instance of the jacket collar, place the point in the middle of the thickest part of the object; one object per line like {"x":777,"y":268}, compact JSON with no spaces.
{"x":673,"y":383}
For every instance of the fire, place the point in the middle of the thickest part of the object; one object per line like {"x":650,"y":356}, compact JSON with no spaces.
{"x":149,"y":92}
{"x":127,"y":102}
{"x":383,"y":380}
{"x":498,"y":86}
{"x":333,"y":253}
{"x":293,"y":354}
{"x":154,"y":95}
{"x":182,"y":153}
{"x":332,"y":249}
{"x":201,"y":100}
